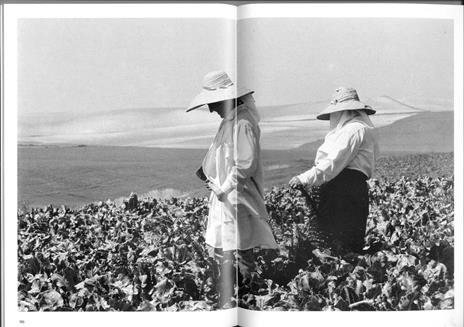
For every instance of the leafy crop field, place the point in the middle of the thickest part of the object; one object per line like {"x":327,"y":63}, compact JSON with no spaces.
{"x":103,"y":257}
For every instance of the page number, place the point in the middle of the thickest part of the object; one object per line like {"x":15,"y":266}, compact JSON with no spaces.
{"x":21,"y":321}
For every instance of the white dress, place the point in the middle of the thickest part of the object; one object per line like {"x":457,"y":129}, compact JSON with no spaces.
{"x":233,"y":162}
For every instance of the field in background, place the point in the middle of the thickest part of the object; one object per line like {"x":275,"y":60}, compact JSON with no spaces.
{"x":74,"y":175}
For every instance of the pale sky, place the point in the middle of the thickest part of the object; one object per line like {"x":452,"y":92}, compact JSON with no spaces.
{"x":91,"y":65}
{"x":305,"y":59}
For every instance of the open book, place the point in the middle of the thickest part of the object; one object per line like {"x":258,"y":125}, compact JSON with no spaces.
{"x":106,"y":209}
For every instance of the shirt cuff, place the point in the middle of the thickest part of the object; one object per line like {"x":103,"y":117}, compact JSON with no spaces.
{"x":307,"y":178}
{"x":227,"y":186}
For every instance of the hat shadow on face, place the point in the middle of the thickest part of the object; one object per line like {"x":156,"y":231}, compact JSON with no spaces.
{"x":222,"y":107}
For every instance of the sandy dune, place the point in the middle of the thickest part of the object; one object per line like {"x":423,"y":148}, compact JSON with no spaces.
{"x":283,"y":127}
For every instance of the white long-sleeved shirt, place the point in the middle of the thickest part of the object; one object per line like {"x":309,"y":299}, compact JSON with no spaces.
{"x":352,"y":146}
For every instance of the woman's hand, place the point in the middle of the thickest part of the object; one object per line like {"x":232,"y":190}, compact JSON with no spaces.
{"x":216,"y":189}
{"x":295,"y":183}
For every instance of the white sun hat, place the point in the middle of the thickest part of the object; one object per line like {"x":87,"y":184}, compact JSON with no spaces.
{"x":344,"y":98}
{"x":217,"y":86}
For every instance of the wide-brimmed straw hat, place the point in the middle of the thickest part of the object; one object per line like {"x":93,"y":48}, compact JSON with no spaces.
{"x":344,"y":98}
{"x":217,"y":86}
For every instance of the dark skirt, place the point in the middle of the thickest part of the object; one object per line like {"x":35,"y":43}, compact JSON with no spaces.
{"x":343,"y":210}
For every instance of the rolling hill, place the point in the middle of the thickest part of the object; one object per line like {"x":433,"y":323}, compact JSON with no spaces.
{"x":284,"y":127}
{"x":76,"y":175}
{"x":420,"y":133}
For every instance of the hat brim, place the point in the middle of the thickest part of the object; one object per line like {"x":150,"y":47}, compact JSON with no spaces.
{"x":345,"y":105}
{"x":205,"y":96}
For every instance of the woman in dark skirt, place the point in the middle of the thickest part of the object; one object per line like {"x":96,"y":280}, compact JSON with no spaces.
{"x":343,"y":163}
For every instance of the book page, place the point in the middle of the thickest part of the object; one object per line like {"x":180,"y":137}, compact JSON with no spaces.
{"x":105,"y":210}
{"x":394,"y":74}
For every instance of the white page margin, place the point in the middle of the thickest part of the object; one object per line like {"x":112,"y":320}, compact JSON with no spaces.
{"x":347,"y":10}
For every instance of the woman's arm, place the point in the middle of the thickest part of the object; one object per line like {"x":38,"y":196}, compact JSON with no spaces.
{"x":342,"y":152}
{"x":245,"y":160}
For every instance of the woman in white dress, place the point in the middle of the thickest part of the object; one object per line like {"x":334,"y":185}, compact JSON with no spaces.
{"x":237,"y":218}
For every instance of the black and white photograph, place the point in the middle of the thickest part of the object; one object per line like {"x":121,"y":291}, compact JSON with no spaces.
{"x":232,"y":164}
